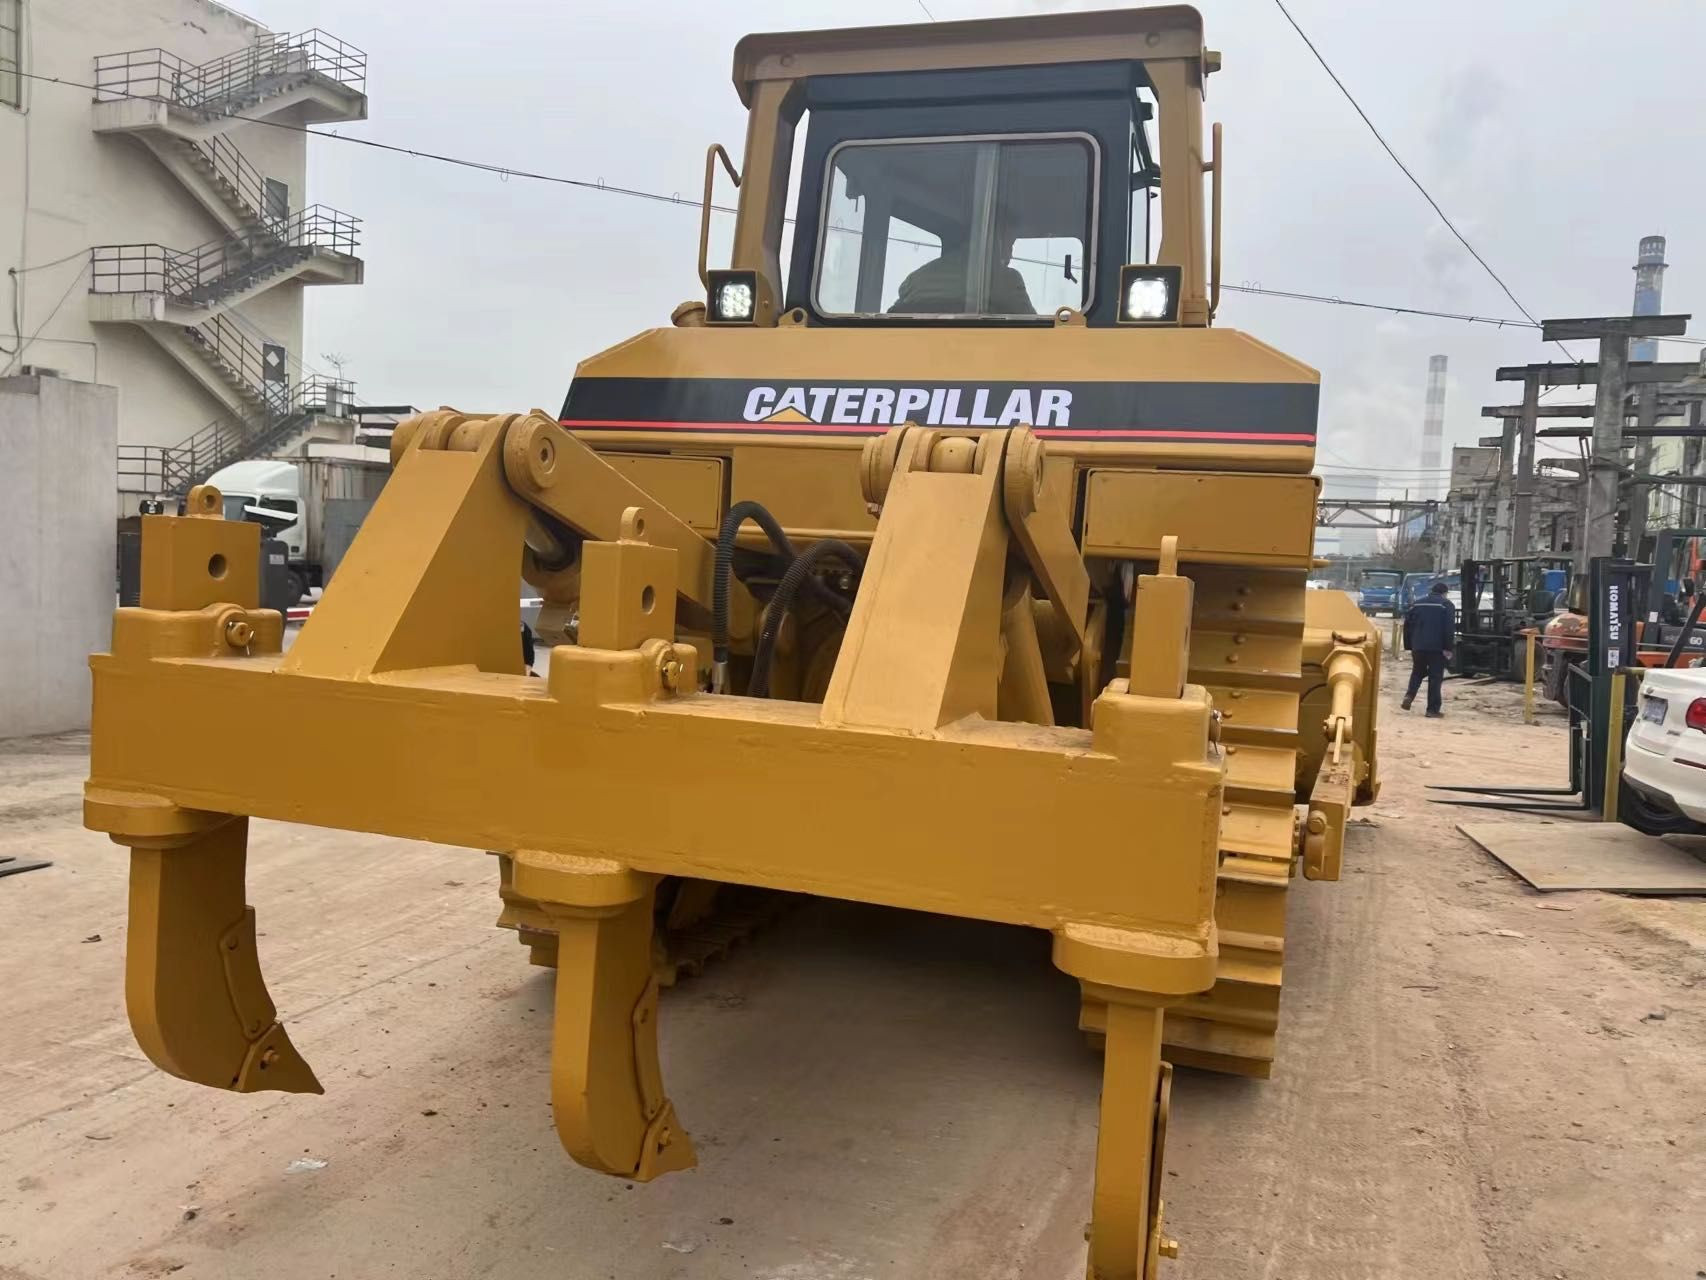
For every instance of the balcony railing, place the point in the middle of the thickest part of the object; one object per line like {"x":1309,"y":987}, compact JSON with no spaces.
{"x":165,"y":77}
{"x":223,"y":266}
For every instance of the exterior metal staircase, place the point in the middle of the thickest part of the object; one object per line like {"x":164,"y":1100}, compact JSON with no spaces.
{"x":229,"y":364}
{"x":322,"y":77}
{"x":184,"y":299}
{"x":144,"y":283}
{"x":218,"y":175}
{"x":170,"y":470}
{"x":181,"y":111}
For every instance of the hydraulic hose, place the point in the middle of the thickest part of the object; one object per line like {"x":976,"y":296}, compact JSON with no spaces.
{"x":798,"y":575}
{"x":738,"y":515}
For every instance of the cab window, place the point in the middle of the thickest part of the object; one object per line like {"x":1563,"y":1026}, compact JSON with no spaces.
{"x":995,"y":227}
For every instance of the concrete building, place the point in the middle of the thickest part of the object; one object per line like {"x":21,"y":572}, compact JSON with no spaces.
{"x":58,"y":545}
{"x":158,"y":224}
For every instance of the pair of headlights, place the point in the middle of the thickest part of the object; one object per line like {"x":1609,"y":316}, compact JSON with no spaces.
{"x":1148,"y":295}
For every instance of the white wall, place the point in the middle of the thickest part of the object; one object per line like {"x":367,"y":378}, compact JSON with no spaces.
{"x":58,"y":532}
{"x":64,"y":188}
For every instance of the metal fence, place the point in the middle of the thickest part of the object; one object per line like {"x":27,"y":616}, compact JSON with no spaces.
{"x":163,"y":76}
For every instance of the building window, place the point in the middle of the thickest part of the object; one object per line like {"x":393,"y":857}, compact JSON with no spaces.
{"x":11,"y":52}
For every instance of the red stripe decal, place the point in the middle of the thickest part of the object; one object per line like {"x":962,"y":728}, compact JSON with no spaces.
{"x":816,"y":428}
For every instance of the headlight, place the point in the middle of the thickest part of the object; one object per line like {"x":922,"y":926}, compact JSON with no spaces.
{"x":733,"y":297}
{"x":1149,"y":295}
{"x":1146,"y":298}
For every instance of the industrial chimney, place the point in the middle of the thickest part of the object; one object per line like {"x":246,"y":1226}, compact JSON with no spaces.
{"x":1649,"y":288}
{"x":1433,"y":429}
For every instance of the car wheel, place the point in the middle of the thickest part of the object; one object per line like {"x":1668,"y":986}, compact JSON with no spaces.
{"x":1649,"y":817}
{"x":296,"y":589}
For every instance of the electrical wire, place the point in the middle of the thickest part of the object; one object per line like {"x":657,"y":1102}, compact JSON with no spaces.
{"x":24,"y":346}
{"x":43,"y":266}
{"x":17,"y":296}
{"x":1414,"y":181}
{"x":926,"y":9}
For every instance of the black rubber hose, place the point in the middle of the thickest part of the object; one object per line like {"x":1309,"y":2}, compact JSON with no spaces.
{"x":738,"y":515}
{"x":798,"y":575}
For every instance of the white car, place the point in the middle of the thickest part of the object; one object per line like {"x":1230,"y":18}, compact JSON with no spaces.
{"x":1664,"y":759}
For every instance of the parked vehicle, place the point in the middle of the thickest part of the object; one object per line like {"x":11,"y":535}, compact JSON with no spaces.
{"x":1417,"y":585}
{"x":313,"y":503}
{"x":1378,"y":590}
{"x":1665,"y":756}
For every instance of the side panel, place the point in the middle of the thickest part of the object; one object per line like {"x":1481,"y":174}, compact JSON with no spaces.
{"x":1217,"y":517}
{"x":690,"y":487}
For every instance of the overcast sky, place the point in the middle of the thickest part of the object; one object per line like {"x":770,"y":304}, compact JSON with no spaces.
{"x":1554,"y":134}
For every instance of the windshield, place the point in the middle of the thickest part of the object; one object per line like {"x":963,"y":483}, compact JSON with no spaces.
{"x":234,"y":504}
{"x":956,"y":228}
{"x":1380,"y":578}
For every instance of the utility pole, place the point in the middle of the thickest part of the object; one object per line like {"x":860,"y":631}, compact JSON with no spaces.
{"x":1523,"y":506}
{"x":1605,"y":461}
{"x":1526,"y":416}
{"x":1691,"y":467}
{"x":1507,"y":468}
{"x":1640,"y":496}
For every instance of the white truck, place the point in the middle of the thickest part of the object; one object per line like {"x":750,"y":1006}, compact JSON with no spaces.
{"x":312,"y":502}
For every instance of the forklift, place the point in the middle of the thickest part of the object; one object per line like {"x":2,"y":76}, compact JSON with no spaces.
{"x":1502,"y":598}
{"x":1671,"y":585}
{"x":1672,"y":588}
{"x":1601,"y":694}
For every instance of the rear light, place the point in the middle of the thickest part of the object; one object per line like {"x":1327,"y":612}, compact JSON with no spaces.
{"x":1695,"y":716}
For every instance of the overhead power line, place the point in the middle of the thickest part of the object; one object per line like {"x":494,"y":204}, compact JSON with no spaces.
{"x":1501,"y":322}
{"x":1414,"y":181}
{"x":658,"y":197}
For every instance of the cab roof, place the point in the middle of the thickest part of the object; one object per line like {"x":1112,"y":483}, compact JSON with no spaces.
{"x":1108,"y":35}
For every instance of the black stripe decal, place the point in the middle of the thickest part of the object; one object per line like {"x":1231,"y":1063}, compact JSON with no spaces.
{"x":1282,"y":412}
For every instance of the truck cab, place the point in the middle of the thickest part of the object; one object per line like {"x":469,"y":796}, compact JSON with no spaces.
{"x":269,"y":485}
{"x":312,"y":502}
{"x":1378,"y":590}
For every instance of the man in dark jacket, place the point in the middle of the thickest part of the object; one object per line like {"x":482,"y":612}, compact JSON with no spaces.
{"x":1430,"y":627}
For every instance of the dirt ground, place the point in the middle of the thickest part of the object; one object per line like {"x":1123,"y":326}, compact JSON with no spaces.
{"x":1474,"y":1080}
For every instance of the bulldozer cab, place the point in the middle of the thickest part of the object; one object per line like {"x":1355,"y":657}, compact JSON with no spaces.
{"x":989,"y":173}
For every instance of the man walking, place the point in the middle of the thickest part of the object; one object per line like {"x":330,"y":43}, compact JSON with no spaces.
{"x":1429,"y":629}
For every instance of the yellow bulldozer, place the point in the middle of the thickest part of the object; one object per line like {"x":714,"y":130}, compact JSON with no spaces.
{"x":946,"y":498}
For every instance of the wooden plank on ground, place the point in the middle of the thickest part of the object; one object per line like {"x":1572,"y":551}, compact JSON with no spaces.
{"x":1557,"y":856}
